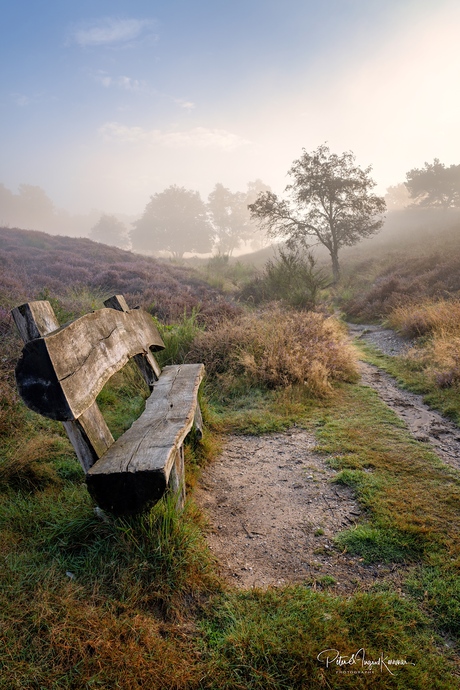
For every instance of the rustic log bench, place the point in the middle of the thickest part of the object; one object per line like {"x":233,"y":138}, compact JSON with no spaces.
{"x":63,"y":369}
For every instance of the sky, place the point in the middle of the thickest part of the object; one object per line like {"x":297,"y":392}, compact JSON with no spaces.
{"x":106,"y":102}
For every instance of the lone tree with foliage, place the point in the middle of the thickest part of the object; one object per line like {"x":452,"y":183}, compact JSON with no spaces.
{"x":435,"y":186}
{"x":230,"y":218}
{"x":109,"y":230}
{"x":174,"y":220}
{"x":330,"y":202}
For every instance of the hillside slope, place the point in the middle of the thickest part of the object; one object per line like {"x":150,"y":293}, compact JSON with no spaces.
{"x":35,"y":265}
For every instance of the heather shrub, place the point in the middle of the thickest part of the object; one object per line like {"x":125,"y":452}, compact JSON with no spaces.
{"x":80,"y":274}
{"x":412,"y":279}
{"x":277,"y":349}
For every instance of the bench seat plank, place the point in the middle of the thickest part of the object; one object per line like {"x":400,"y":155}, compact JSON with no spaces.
{"x":135,"y":470}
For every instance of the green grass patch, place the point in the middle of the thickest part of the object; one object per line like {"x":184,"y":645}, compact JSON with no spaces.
{"x":379,"y":544}
{"x":402,"y":486}
{"x":272,"y":639}
{"x":437,"y":589}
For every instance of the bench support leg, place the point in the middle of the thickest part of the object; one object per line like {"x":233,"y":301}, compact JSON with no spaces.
{"x":177,"y":479}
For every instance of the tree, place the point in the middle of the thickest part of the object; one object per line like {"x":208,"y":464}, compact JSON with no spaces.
{"x":258,"y":237}
{"x":33,"y":208}
{"x":174,"y":220}
{"x":109,"y":230}
{"x":230,"y":218}
{"x":435,"y":185}
{"x":330,"y":202}
{"x":397,"y":197}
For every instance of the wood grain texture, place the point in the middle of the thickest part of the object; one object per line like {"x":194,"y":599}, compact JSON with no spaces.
{"x":89,"y":435}
{"x":34,"y":319}
{"x":144,"y":456}
{"x":146,"y":362}
{"x":61,"y":371}
{"x":61,"y":374}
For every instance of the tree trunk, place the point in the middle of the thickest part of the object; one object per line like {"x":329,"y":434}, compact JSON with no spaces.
{"x":335,"y":266}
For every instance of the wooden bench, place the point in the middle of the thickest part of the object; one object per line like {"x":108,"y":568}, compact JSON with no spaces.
{"x":63,"y":369}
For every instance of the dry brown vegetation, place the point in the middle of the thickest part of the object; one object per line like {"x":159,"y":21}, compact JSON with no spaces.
{"x":278,"y":348}
{"x":439,"y":352}
{"x":429,"y":317}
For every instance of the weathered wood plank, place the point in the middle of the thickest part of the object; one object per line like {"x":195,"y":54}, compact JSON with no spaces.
{"x":89,"y":435}
{"x":34,"y":319}
{"x":61,"y":374}
{"x":148,"y":366}
{"x":145,"y":455}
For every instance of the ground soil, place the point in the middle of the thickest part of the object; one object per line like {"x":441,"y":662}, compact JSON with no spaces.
{"x":273,"y":508}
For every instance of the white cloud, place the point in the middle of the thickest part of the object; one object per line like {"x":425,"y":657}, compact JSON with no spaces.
{"x":130,"y":84}
{"x":187,"y":105}
{"x":197,"y":137}
{"x":103,"y":78}
{"x":122,"y":82}
{"x":111,"y":31}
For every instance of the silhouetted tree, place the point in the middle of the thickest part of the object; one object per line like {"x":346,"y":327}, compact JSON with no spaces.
{"x":435,"y":185}
{"x":397,"y":197}
{"x":258,"y":236}
{"x":330,"y":202}
{"x":174,"y":220}
{"x":230,"y":218}
{"x":109,"y":230}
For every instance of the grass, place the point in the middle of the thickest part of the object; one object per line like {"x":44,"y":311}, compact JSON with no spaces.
{"x":88,"y":600}
{"x":91,"y":602}
{"x":272,"y":639}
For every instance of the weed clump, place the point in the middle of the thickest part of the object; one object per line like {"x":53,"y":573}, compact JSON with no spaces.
{"x":277,"y":349}
{"x":30,"y":468}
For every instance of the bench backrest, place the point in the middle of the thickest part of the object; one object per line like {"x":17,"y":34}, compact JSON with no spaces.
{"x":63,"y":369}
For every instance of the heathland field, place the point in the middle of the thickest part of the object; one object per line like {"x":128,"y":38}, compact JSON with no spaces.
{"x":93,"y":601}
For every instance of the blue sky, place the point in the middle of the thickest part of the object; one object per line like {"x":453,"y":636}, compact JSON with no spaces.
{"x":103,"y":103}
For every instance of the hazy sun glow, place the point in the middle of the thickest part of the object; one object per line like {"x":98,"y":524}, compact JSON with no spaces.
{"x":104,"y":105}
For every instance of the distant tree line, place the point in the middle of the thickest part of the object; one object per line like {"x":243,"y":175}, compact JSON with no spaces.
{"x":434,"y":186}
{"x":329,"y":202}
{"x":177,"y":220}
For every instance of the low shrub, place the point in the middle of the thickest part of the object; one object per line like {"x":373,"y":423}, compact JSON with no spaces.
{"x":276,"y":349}
{"x":292,"y":276}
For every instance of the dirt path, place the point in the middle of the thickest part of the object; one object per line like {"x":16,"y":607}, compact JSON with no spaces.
{"x":273,"y":510}
{"x":424,"y":424}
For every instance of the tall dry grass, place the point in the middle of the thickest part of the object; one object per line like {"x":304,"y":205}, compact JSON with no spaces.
{"x":430,"y":317}
{"x":278,"y":348}
{"x":439,"y":323}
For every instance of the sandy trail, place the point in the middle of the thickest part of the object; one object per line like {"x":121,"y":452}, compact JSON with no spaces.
{"x":273,"y":509}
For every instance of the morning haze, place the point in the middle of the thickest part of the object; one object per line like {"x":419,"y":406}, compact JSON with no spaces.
{"x":103,"y":108}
